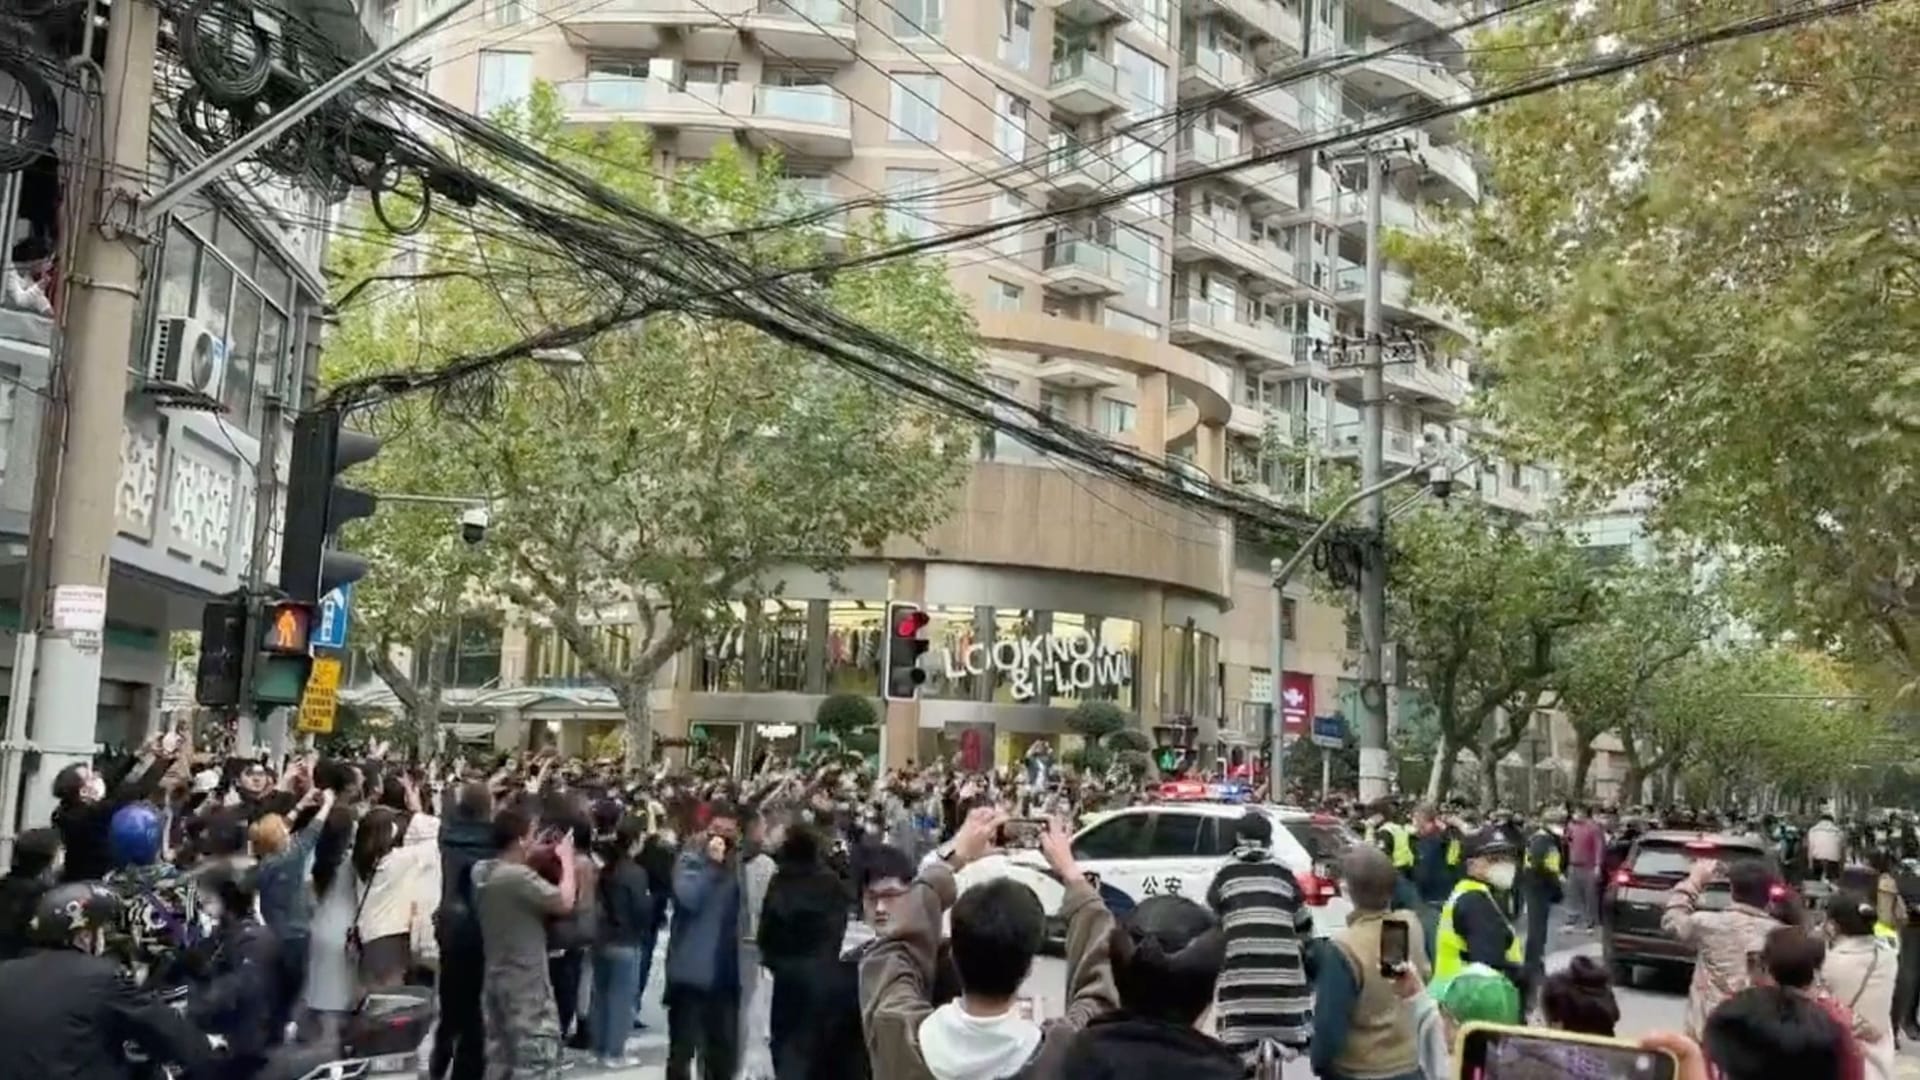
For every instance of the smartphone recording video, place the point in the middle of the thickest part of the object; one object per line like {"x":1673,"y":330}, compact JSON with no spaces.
{"x":1023,"y":833}
{"x":1395,"y":949}
{"x":1489,"y":1052}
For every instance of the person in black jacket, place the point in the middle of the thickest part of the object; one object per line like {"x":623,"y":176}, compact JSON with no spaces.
{"x":626,"y":921}
{"x":236,"y":978}
{"x":466,"y":837}
{"x":87,"y":801}
{"x":31,"y":875}
{"x":801,"y":924}
{"x":68,"y":1013}
{"x":835,"y":1043}
{"x":656,"y":858}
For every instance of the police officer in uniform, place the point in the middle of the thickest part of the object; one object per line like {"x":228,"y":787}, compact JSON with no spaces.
{"x":1394,"y":839}
{"x":1906,"y":993}
{"x":1473,"y":927}
{"x":1542,"y":886}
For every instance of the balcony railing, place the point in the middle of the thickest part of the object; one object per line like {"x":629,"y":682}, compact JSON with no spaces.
{"x":803,"y":104}
{"x":1079,"y":255}
{"x":1066,"y":154}
{"x":824,"y":12}
{"x":625,"y":92}
{"x":1216,"y":64}
{"x":1092,"y":67}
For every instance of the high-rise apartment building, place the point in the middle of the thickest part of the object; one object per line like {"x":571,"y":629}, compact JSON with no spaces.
{"x":1185,"y":323}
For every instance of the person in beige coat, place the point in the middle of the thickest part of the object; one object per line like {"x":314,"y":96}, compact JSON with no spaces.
{"x":1859,"y":973}
{"x":1723,"y":941}
{"x":988,"y":1033}
{"x":395,"y":920}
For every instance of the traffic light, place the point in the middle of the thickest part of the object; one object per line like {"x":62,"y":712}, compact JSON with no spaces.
{"x":1173,"y":747}
{"x":906,"y":644}
{"x":223,"y":641}
{"x":285,"y":641}
{"x":318,"y":504}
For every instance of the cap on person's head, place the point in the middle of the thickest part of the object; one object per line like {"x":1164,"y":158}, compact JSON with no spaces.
{"x":1477,"y":994}
{"x":1486,"y":843}
{"x":1254,"y":828}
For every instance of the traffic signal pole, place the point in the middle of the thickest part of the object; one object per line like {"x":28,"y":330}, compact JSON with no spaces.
{"x":266,"y":495}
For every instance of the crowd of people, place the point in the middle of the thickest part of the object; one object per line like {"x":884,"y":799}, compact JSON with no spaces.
{"x":211,"y":919}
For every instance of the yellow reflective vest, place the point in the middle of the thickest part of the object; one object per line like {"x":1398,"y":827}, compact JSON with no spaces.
{"x":1400,"y":838}
{"x":1549,"y":863}
{"x":1450,"y":949}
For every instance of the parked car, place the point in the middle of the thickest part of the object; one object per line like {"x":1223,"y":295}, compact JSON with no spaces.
{"x":1177,"y":848}
{"x":1636,"y":895}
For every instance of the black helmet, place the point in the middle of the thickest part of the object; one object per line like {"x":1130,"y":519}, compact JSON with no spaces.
{"x":66,"y":910}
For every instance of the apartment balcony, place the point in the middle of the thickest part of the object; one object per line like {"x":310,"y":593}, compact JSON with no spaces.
{"x":818,"y":30}
{"x":1198,"y":322}
{"x":1398,"y":446}
{"x":1453,"y":167}
{"x":1272,"y":187}
{"x":1199,"y":148}
{"x":1432,"y":14}
{"x":1211,"y":71}
{"x":657,"y":103}
{"x":813,"y":121}
{"x":1266,"y":18}
{"x":1395,"y":213}
{"x":1402,"y":73}
{"x":1091,"y":12}
{"x":1074,"y":168}
{"x":1396,"y":299}
{"x":649,"y":24}
{"x":1275,"y":106}
{"x":1198,"y":238}
{"x":1076,"y":267}
{"x":1075,"y":373}
{"x":1085,"y":84}
{"x":1505,"y":495}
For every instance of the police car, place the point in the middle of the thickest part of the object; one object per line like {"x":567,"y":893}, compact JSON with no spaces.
{"x":1175,"y":847}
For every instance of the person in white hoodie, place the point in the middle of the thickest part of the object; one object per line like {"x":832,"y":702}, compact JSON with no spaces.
{"x":397,"y":854}
{"x":988,"y":1032}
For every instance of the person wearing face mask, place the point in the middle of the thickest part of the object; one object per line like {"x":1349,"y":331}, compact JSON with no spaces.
{"x":236,"y":981}
{"x":67,"y":1012}
{"x":88,"y":800}
{"x":1473,"y":928}
{"x":1542,"y":886}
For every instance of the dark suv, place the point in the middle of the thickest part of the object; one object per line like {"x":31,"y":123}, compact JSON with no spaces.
{"x":1636,"y":895}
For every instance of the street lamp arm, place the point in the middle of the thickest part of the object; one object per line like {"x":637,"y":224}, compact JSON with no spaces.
{"x":1283,"y":573}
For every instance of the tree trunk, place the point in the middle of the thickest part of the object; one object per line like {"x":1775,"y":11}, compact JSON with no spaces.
{"x":1582,"y":764}
{"x":1440,"y":773}
{"x":1489,"y":778}
{"x":636,"y":707}
{"x":427,"y":732}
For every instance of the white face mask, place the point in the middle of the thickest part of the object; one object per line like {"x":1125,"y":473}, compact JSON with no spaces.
{"x":94,"y":789}
{"x":1500,"y":875}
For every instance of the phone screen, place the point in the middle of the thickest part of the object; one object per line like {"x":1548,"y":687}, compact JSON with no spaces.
{"x":1393,"y":948}
{"x":1022,"y":832}
{"x":1549,"y":1055}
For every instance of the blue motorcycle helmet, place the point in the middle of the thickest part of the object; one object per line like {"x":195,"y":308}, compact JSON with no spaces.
{"x":135,"y":835}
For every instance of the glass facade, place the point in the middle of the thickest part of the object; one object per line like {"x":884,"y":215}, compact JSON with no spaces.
{"x":1190,"y":673}
{"x":1009,"y":656}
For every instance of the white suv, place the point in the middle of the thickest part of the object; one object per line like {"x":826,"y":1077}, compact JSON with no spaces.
{"x":1176,"y":848}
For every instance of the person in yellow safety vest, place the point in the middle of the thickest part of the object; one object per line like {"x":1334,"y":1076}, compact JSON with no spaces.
{"x":1541,"y":887}
{"x":1391,"y":837}
{"x":1473,"y":929}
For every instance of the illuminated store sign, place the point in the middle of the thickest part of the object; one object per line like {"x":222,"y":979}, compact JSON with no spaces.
{"x":1069,"y":662}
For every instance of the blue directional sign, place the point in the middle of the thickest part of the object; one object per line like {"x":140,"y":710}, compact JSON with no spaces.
{"x":330,"y":627}
{"x":1329,"y":731}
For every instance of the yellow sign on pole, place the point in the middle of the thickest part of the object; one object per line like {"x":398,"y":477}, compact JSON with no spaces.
{"x":322,"y":696}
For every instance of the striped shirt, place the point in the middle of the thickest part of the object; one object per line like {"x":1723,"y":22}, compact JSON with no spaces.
{"x":1264,"y":990}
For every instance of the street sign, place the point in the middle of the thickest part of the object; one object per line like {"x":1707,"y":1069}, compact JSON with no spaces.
{"x":1330,"y":731}
{"x":322,"y":696}
{"x":331,"y":629}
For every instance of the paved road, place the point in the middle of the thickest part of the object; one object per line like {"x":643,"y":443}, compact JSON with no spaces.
{"x":1652,"y":1003}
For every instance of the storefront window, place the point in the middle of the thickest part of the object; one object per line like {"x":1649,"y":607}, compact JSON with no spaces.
{"x":1206,"y":675}
{"x":856,"y":639}
{"x":768,"y":741}
{"x":958,"y":670}
{"x":1176,"y":667}
{"x":723,"y":660}
{"x":1016,"y":681}
{"x":720,"y":742}
{"x":1103,"y":669}
{"x":783,"y":646}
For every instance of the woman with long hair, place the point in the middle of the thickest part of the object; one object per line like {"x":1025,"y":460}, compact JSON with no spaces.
{"x":329,"y":992}
{"x":626,"y":916}
{"x":397,"y":856}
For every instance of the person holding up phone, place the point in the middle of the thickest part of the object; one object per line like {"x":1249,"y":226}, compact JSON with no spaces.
{"x":1362,"y":1027}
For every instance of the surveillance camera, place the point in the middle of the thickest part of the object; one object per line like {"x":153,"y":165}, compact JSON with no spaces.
{"x":473,"y":524}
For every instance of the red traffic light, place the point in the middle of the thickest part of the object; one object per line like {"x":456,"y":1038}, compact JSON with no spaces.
{"x":911,"y":622}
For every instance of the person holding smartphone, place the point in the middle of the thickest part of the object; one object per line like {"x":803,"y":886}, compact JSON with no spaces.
{"x":1362,"y":1026}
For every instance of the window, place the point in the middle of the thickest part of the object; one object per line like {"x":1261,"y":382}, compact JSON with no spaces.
{"x":953,"y":673}
{"x":1154,"y":17}
{"x":237,"y":390}
{"x":1217,"y":837}
{"x":506,"y":78}
{"x":915,"y":106}
{"x":1116,"y":417}
{"x":782,"y":640}
{"x":1175,"y":835}
{"x":177,"y":273}
{"x":1138,"y":265}
{"x":1131,"y":323}
{"x":1121,"y":837}
{"x":504,"y":12}
{"x":471,"y":657}
{"x":995,"y":444}
{"x":1008,"y":205}
{"x":1054,"y":404}
{"x":906,"y":215}
{"x":1016,"y":33}
{"x":711,"y":75}
{"x":921,"y":17}
{"x":1287,"y":613}
{"x":1143,"y":78}
{"x":856,"y":637}
{"x":1141,"y":163}
{"x":1003,"y":295}
{"x":1010,"y":126}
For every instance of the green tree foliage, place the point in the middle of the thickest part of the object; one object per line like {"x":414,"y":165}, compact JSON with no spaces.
{"x":1702,"y":277}
{"x":842,"y":715}
{"x":1650,"y":618}
{"x":685,"y":459}
{"x":1481,"y":608}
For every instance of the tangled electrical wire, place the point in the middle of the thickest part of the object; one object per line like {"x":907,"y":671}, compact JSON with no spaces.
{"x":24,"y":143}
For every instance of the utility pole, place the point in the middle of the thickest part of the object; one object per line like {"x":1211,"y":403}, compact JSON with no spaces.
{"x":1373,"y":569}
{"x":266,"y":494}
{"x":104,"y":284}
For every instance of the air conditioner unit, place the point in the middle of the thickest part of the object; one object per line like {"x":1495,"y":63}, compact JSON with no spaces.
{"x":187,"y":353}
